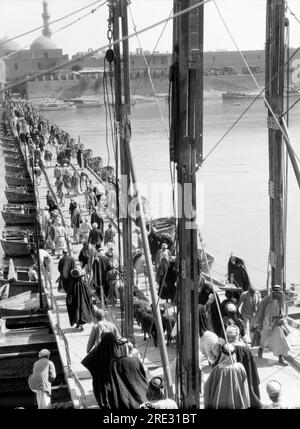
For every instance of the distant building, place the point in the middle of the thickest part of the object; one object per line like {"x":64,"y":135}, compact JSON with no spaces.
{"x":42,"y":54}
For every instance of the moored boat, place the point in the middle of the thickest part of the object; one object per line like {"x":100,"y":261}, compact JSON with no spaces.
{"x":17,"y":179}
{"x":21,"y":342}
{"x":10,"y":151}
{"x":85,"y":102}
{"x":20,"y":194}
{"x":13,"y":158}
{"x":15,"y":167}
{"x":240,"y":95}
{"x":52,"y":104}
{"x":18,"y":214}
{"x":18,"y":281}
{"x":17,"y":242}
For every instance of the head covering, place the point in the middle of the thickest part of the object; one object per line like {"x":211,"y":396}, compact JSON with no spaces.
{"x":100,"y":314}
{"x":65,"y":251}
{"x":164,"y":246}
{"x":75,"y":273}
{"x":273,"y":387}
{"x":94,"y":225}
{"x":46,"y":208}
{"x":232,"y":332}
{"x":44,"y":353}
{"x":156,"y":388}
{"x":228,"y":349}
{"x":231,"y":308}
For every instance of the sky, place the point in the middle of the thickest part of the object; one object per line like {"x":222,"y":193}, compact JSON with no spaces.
{"x":245,"y":18}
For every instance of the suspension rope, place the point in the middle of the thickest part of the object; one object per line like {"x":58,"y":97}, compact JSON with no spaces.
{"x":261,"y":91}
{"x":149,"y":75}
{"x":153,"y":52}
{"x":276,"y":119}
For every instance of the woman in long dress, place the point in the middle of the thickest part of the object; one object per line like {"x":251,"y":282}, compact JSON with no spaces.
{"x":79,"y":300}
{"x":98,"y":362}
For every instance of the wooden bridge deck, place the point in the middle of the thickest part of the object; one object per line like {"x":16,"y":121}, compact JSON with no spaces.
{"x":77,"y":340}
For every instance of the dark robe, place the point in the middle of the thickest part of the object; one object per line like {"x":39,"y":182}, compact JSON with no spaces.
{"x":244,"y":356}
{"x":79,"y":158}
{"x":76,"y":218}
{"x":98,"y":362}
{"x":167,"y":290}
{"x":215,"y":317}
{"x":128,"y":382}
{"x":84,"y":256}
{"x":72,"y":207}
{"x":100,"y":268}
{"x":234,"y":319}
{"x":95,"y":237}
{"x":95,"y":218}
{"x":79,"y":302}
{"x":239,"y":272}
{"x":65,"y":266}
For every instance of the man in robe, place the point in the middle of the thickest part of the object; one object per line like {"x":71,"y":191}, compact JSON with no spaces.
{"x":162,"y":253}
{"x":244,"y":356}
{"x":209,"y":317}
{"x":95,"y":236}
{"x":65,"y":266}
{"x":43,"y":374}
{"x":75,"y":223}
{"x":96,"y":218}
{"x":226,"y":386}
{"x":100,"y":268}
{"x":271,"y":320}
{"x":75,"y":183}
{"x":79,"y":157}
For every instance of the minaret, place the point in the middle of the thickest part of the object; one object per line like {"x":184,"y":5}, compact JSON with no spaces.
{"x":45,"y":15}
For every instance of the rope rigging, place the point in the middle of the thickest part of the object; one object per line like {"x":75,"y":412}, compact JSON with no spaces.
{"x":149,"y":74}
{"x":261,"y":93}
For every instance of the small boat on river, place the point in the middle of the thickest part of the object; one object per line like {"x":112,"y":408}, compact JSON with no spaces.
{"x":17,"y":179}
{"x":18,"y":214}
{"x":15,"y":167}
{"x":20,"y":194}
{"x":17,"y":242}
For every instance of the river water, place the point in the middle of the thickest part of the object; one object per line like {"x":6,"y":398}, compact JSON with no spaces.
{"x":232,"y":184}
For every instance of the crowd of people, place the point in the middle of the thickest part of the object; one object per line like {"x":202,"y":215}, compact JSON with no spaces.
{"x":227,"y":329}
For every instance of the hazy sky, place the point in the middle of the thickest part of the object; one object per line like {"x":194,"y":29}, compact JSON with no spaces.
{"x":245,"y":18}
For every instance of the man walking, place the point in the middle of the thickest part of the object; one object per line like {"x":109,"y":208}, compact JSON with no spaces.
{"x":101,"y":327}
{"x":40,"y":380}
{"x":271,"y":320}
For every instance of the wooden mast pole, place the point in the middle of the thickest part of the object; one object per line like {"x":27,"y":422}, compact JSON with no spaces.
{"x":122,"y":93}
{"x":151,"y":277}
{"x":187,"y":153}
{"x":275,"y":93}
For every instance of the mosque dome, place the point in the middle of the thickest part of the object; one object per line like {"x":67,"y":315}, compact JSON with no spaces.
{"x":43,"y":43}
{"x":7,"y":45}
